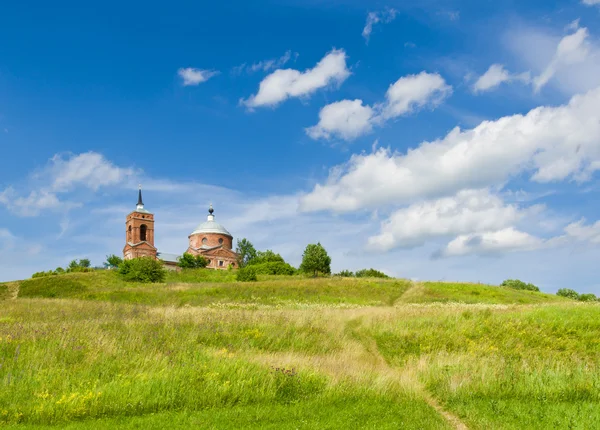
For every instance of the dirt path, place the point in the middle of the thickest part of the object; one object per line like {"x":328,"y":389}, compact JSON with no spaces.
{"x":416,"y":289}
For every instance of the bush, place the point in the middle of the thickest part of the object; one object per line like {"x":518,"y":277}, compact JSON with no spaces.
{"x":370,"y":273}
{"x":587,"y":297}
{"x":267,"y":256}
{"x":273,"y":268}
{"x":345,"y":274}
{"x":519,"y":285}
{"x":144,"y":269}
{"x":113,"y":261}
{"x":246,"y":274}
{"x":42,"y":274}
{"x":189,"y":261}
{"x":569,"y":293}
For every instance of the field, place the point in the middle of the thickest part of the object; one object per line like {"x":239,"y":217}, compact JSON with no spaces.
{"x":88,"y":351}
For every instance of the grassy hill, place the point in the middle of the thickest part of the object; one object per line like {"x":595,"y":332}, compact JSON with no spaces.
{"x":88,"y":351}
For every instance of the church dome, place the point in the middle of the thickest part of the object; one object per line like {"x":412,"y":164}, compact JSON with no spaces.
{"x":211,"y":226}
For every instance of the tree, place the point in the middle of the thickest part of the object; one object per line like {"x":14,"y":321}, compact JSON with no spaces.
{"x":113,"y":261}
{"x":569,"y":293}
{"x":588,"y":297}
{"x":143,"y":269}
{"x":245,"y":251}
{"x":345,"y":274}
{"x":189,"y":261}
{"x":267,"y":256}
{"x":315,"y":260}
{"x":85,"y":263}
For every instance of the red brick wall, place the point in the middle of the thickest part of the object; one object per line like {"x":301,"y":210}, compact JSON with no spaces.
{"x":133,"y":224}
{"x":212,"y":239}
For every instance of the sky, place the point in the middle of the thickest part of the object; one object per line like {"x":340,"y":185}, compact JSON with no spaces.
{"x":432,"y":140}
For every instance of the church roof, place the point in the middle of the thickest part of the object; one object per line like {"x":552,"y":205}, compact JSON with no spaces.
{"x":211,"y":226}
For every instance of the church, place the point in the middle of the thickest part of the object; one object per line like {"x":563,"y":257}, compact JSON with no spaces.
{"x":210,"y":239}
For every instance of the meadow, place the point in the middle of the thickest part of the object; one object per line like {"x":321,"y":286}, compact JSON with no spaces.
{"x":86,"y":350}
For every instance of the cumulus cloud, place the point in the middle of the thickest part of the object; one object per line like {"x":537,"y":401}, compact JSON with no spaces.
{"x":287,"y":83}
{"x":64,"y":173}
{"x":467,"y":212}
{"x":549,"y":143}
{"x":491,"y":242}
{"x":349,"y":119}
{"x":383,"y":17}
{"x":265,"y":65}
{"x":192,"y":76}
{"x":572,"y":49}
{"x":497,"y":75}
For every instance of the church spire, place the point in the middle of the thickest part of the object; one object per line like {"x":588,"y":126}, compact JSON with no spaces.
{"x":140,"y":203}
{"x":210,"y":217}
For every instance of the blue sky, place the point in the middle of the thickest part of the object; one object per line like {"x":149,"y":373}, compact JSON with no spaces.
{"x":455,"y":140}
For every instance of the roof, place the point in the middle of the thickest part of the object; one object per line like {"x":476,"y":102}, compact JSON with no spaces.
{"x":169,"y":258}
{"x":211,"y":226}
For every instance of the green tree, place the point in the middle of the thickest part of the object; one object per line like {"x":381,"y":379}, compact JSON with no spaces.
{"x":144,"y":269}
{"x":315,"y":260}
{"x":113,"y":261}
{"x":245,"y":251}
{"x":189,"y":261}
{"x":589,"y":297}
{"x":345,"y":274}
{"x":85,"y":263}
{"x":569,"y":293}
{"x":267,"y":256}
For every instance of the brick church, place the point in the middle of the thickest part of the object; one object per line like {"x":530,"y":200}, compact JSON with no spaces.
{"x":210,"y":239}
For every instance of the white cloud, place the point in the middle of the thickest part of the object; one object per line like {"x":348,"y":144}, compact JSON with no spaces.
{"x":584,"y":233}
{"x":497,"y":75}
{"x":265,"y":65}
{"x":384,"y":17}
{"x":491,"y":242}
{"x":192,"y":76}
{"x":572,"y":49}
{"x":349,"y":119}
{"x":549,"y":143}
{"x":469,"y":211}
{"x":591,"y":2}
{"x":62,"y":174}
{"x":286,"y":83}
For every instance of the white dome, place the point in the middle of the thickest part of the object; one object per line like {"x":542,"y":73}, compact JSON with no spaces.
{"x":210,"y":226}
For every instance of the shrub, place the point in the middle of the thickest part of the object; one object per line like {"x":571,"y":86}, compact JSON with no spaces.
{"x":370,"y":273}
{"x":519,"y":285}
{"x":569,"y":293}
{"x":144,"y":269}
{"x":246,"y":274}
{"x":345,"y":274}
{"x":587,"y":297}
{"x":189,"y":261}
{"x":267,"y":256}
{"x":42,"y":274}
{"x":273,"y":268}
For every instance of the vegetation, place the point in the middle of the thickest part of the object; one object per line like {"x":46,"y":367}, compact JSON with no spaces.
{"x":572,"y":294}
{"x":246,"y":274}
{"x":189,"y":261}
{"x":200,"y":349}
{"x":113,"y":261}
{"x":370,"y":273}
{"x":83,"y":265}
{"x":273,"y":268}
{"x":519,"y":285}
{"x":142,"y":269}
{"x":267,"y":256}
{"x":315,"y":260}
{"x":345,"y":274}
{"x":245,"y":251}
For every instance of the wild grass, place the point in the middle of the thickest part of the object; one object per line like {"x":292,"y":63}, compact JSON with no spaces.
{"x":287,"y":352}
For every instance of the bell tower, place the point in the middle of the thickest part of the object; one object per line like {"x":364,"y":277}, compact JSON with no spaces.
{"x":139,"y":232}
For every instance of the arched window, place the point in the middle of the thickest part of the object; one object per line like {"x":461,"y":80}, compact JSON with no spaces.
{"x":129,"y":234}
{"x":220,"y":241}
{"x":204,"y":241}
{"x":143,"y":229}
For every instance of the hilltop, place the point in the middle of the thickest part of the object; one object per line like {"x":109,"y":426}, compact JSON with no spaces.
{"x":86,"y":350}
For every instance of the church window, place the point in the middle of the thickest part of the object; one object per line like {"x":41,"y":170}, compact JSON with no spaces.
{"x":129,"y":234}
{"x":143,"y":229}
{"x":204,"y":241}
{"x":220,"y":264}
{"x":220,"y":241}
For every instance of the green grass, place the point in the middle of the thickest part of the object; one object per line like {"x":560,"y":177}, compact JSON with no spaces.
{"x":86,"y":350}
{"x":443,"y":292}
